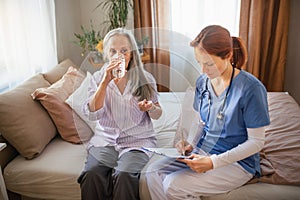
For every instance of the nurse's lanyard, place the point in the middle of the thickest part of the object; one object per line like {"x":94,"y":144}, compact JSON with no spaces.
{"x":220,"y":114}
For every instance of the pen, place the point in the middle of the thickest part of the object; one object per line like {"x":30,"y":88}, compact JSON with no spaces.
{"x":181,"y":137}
{"x":182,"y":144}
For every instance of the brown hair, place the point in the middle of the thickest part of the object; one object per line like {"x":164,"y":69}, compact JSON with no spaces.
{"x":217,"y":41}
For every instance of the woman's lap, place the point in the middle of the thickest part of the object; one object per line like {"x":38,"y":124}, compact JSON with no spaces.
{"x":178,"y":178}
{"x":132,"y":161}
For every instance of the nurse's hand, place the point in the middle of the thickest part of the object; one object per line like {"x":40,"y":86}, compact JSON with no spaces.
{"x":183,"y":147}
{"x":198,"y":163}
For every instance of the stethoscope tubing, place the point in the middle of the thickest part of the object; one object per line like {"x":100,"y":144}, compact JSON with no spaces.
{"x":220,"y":114}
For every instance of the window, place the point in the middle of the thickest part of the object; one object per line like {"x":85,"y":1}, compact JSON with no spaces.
{"x":27,"y":40}
{"x":188,"y":19}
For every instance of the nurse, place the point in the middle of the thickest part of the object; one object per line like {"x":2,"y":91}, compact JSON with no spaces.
{"x":233,"y":106}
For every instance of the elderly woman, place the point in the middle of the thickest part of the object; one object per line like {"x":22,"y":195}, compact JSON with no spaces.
{"x":123,"y":103}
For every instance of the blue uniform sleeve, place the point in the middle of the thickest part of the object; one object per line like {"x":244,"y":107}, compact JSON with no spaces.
{"x":256,"y":113}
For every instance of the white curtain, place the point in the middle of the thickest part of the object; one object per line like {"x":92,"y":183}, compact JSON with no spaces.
{"x":27,"y":40}
{"x":188,"y":19}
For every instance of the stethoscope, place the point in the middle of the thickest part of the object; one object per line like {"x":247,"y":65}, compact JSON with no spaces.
{"x":220,"y":114}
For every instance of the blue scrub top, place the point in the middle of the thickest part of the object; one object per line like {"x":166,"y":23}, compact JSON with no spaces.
{"x":246,"y":107}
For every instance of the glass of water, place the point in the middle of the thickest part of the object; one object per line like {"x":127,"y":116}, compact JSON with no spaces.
{"x":119,"y":71}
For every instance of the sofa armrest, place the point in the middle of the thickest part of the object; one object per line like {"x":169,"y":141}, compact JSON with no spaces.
{"x":7,"y":154}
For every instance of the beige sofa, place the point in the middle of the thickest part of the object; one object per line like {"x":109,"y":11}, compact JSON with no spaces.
{"x":44,"y":155}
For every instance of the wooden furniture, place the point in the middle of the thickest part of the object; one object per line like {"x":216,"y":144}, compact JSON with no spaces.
{"x":145,"y":57}
{"x":95,"y":65}
{"x":3,"y":193}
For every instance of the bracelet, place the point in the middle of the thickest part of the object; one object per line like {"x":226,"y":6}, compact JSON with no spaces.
{"x":152,"y":109}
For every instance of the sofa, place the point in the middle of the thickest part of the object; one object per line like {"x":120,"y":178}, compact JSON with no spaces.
{"x":46,"y":135}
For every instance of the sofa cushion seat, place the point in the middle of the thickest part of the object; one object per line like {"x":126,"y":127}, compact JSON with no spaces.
{"x":52,"y":175}
{"x":260,"y":191}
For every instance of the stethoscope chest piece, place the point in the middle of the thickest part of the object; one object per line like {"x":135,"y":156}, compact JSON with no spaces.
{"x":220,"y":116}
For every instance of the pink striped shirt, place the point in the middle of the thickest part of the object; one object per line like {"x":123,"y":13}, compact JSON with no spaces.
{"x":121,"y":123}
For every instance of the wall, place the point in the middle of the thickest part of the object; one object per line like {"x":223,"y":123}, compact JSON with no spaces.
{"x":98,"y":16}
{"x":70,"y":15}
{"x":68,"y":19}
{"x":292,"y":83}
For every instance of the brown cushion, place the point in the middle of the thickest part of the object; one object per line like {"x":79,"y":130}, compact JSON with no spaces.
{"x":280,"y":157}
{"x":69,"y":125}
{"x":58,"y":71}
{"x":24,"y":123}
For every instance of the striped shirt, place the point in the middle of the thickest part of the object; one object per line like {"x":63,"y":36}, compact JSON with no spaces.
{"x":120,"y":121}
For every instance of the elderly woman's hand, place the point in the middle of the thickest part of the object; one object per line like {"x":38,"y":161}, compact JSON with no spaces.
{"x":145,"y":105}
{"x":108,"y":76}
{"x":198,"y":163}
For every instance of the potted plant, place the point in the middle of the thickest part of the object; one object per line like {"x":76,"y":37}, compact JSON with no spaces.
{"x":88,"y":39}
{"x":117,"y":12}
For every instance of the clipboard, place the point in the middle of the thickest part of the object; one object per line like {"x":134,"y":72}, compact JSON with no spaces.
{"x":166,"y":152}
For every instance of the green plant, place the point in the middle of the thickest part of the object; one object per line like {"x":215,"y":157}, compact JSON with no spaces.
{"x":88,"y":39}
{"x":143,"y":41}
{"x":117,"y":12}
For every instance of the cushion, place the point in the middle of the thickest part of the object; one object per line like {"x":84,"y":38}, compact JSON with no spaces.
{"x":280,"y":157}
{"x":166,"y":125}
{"x":79,"y":97}
{"x":24,"y":123}
{"x":52,"y":175}
{"x":68,"y":123}
{"x":58,"y":71}
{"x":189,"y":125}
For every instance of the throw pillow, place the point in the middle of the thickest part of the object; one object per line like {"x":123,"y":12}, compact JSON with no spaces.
{"x":24,"y":123}
{"x":79,"y":97}
{"x":189,"y":125}
{"x":68,"y":123}
{"x":58,"y":71}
